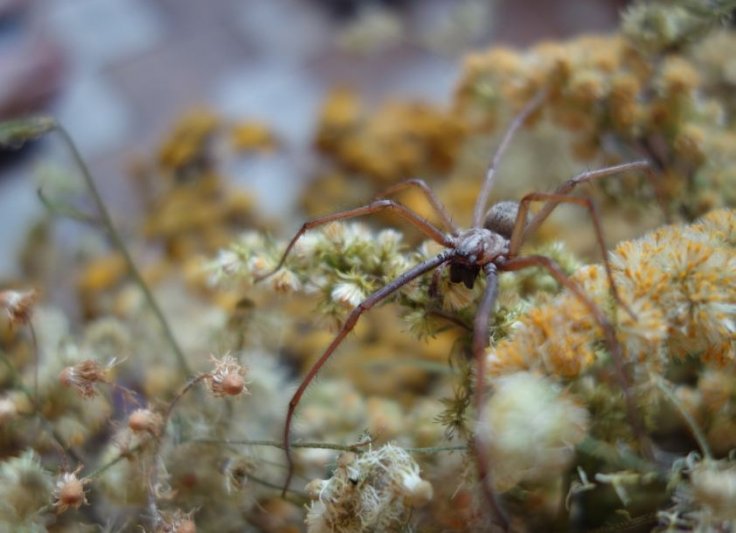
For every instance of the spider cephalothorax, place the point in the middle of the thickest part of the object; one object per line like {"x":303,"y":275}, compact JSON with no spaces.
{"x":475,"y":248}
{"x":489,"y":247}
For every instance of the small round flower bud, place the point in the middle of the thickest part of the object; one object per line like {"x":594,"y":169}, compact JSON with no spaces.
{"x":69,"y":491}
{"x":227,"y":379}
{"x":145,"y":420}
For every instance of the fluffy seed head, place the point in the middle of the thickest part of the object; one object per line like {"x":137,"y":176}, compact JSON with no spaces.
{"x":18,"y":305}
{"x":83,"y":377}
{"x":530,"y":429}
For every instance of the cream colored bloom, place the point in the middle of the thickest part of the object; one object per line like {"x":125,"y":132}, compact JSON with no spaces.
{"x":530,"y":429}
{"x":347,"y":293}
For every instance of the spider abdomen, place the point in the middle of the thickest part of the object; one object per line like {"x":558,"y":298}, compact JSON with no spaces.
{"x":501,"y":218}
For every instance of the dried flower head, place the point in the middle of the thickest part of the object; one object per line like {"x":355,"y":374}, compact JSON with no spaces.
{"x":374,"y":491}
{"x":69,"y":491}
{"x":236,"y":472}
{"x":145,"y":421}
{"x":227,"y":378}
{"x":715,"y":489}
{"x":18,"y":305}
{"x":83,"y":376}
{"x":8,"y":409}
{"x":176,"y":522}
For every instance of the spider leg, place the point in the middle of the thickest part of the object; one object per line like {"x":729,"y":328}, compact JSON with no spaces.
{"x":585,"y":177}
{"x":485,"y":192}
{"x":481,"y":334}
{"x":434,"y":285}
{"x":553,"y":200}
{"x":377,"y":205}
{"x":350,"y":322}
{"x":609,"y":333}
{"x":434,"y":201}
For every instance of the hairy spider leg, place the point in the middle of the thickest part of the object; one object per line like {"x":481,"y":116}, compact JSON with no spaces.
{"x":519,"y":263}
{"x":434,"y":284}
{"x":352,"y":318}
{"x":377,"y":205}
{"x":485,"y":192}
{"x":481,"y":336}
{"x":555,"y":199}
{"x":434,"y":201}
{"x":567,"y":187}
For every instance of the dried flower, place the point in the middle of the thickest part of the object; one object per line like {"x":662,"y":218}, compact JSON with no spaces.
{"x":228,"y":377}
{"x":18,"y":305}
{"x":374,"y":491}
{"x":681,"y":283}
{"x":715,"y":489}
{"x":176,"y":522}
{"x":145,"y":421}
{"x":83,"y":376}
{"x":69,"y":491}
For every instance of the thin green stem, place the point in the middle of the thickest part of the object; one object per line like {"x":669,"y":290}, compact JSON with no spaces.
{"x":325,"y":445}
{"x":153,"y":479}
{"x":280,"y":445}
{"x":112,"y":462}
{"x":119,"y":243}
{"x":438,"y":449}
{"x":270,"y":485}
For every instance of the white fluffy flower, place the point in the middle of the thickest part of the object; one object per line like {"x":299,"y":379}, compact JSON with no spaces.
{"x":374,"y":491}
{"x":347,"y":293}
{"x":530,"y":429}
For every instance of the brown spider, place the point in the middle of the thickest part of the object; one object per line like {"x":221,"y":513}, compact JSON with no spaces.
{"x":490,"y":246}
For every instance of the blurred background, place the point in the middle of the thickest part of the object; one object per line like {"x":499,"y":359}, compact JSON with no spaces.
{"x":118,"y":73}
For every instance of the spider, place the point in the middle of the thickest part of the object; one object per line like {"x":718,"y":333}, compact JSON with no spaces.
{"x":490,"y":246}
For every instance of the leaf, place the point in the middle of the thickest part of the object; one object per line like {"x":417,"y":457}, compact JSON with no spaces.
{"x":15,"y":133}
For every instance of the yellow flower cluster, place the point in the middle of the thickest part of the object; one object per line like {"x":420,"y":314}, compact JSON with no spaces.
{"x":616,"y":101}
{"x":680,"y":282}
{"x":399,"y":140}
{"x":188,"y":145}
{"x":190,"y":208}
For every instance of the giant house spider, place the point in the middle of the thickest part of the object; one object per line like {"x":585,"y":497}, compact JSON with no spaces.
{"x":490,"y":246}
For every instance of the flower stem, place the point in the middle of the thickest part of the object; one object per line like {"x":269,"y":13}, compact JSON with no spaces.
{"x":119,"y":243}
